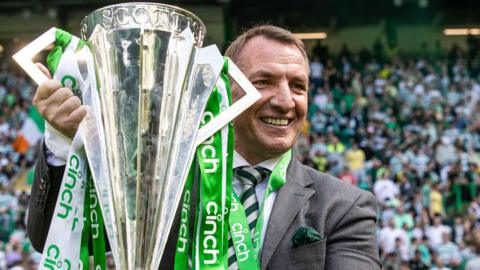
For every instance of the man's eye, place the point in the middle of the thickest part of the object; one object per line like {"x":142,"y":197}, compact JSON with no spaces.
{"x":260,"y":83}
{"x":298,"y":86}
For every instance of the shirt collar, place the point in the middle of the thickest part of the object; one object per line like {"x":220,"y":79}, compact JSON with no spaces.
{"x":270,"y":164}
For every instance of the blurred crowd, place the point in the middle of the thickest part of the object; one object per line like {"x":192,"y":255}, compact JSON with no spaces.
{"x":407,"y":129}
{"x":15,"y":100}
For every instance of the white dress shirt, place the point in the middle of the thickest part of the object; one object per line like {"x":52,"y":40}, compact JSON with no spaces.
{"x":58,"y":146}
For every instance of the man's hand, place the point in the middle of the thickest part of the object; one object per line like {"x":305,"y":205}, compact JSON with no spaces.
{"x":62,"y":110}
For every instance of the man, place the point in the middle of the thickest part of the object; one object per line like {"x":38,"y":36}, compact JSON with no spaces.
{"x":276,"y":63}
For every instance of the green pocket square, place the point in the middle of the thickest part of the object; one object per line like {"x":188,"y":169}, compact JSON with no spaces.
{"x":306,"y":235}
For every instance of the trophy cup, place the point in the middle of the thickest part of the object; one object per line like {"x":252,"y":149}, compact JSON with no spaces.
{"x":149,"y":81}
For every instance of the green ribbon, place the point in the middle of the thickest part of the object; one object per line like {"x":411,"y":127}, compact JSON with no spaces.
{"x":62,"y":40}
{"x":183,"y":243}
{"x":247,"y":250}
{"x":93,"y":230}
{"x":84,"y":252}
{"x":213,"y":166}
{"x":212,"y":246}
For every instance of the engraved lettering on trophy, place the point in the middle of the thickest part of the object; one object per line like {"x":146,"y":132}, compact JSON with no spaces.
{"x":107,"y":18}
{"x":162,"y":18}
{"x":210,"y":249}
{"x":122,"y":16}
{"x":155,"y":17}
{"x":175,"y":22}
{"x":141,"y":16}
{"x":84,"y":29}
{"x":188,"y":25}
{"x":197,"y":29}
{"x":240,"y":248}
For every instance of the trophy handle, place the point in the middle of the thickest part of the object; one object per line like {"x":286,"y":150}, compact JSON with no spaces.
{"x":250,"y":97}
{"x":25,"y":55}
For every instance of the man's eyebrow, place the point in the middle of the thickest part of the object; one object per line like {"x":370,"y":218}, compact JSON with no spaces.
{"x":266,"y":73}
{"x":263,"y":73}
{"x":300,"y":79}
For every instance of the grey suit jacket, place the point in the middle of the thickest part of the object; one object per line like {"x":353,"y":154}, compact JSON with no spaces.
{"x":344,"y":214}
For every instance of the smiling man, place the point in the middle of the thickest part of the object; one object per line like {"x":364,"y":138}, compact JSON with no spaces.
{"x":313,"y":221}
{"x":308,"y":220}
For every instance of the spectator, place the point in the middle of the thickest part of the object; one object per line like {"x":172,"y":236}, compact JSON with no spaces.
{"x":448,"y":251}
{"x":385,"y":189}
{"x":436,"y":231}
{"x":348,"y":176}
{"x":316,"y":74}
{"x":403,"y":219}
{"x":416,"y":262}
{"x":355,"y":159}
{"x":436,"y":201}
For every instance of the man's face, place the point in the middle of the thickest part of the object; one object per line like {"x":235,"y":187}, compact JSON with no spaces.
{"x":270,"y":127}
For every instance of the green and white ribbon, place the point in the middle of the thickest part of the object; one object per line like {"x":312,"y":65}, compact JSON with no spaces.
{"x":247,"y":249}
{"x":77,"y":221}
{"x":213,"y":168}
{"x":59,"y":251}
{"x":62,"y":61}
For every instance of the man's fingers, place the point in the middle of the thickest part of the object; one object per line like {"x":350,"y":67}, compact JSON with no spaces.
{"x":45,"y":90}
{"x":48,"y":107}
{"x":68,"y":106}
{"x":67,"y":124}
{"x":44,"y":70}
{"x":59,"y":96}
{"x":77,"y":115}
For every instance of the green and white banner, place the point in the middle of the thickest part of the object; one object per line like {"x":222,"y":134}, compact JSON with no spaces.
{"x":67,"y":224}
{"x":77,"y":221}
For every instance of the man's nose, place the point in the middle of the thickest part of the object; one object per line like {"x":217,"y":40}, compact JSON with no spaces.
{"x":282,"y":98}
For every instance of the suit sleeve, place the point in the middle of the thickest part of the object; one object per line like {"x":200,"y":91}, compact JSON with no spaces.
{"x":352,"y":244}
{"x":45,"y":189}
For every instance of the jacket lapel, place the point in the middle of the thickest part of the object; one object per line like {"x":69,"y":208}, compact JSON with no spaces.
{"x":290,"y":199}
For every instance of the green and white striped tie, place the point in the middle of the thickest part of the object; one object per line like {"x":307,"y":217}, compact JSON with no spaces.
{"x":249,"y":177}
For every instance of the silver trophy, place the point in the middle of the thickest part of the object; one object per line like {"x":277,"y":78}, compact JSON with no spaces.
{"x":148,"y":81}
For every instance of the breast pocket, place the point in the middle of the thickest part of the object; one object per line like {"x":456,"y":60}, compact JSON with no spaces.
{"x":309,"y":256}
